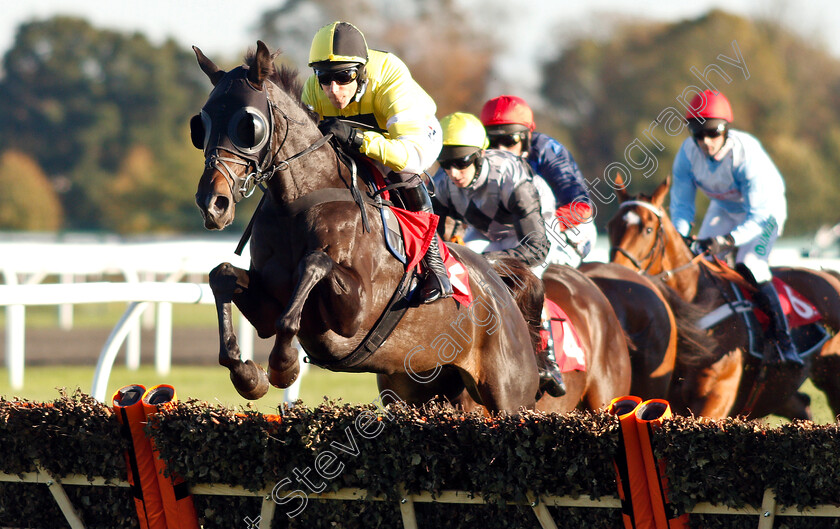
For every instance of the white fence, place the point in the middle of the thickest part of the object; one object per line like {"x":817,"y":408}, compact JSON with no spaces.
{"x":766,"y":514}
{"x":27,"y":261}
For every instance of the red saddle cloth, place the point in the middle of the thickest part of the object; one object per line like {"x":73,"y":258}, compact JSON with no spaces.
{"x":568,"y":349}
{"x":798,"y":310}
{"x":418,"y":228}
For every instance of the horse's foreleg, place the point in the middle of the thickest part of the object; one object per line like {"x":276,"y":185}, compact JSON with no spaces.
{"x":248,"y":378}
{"x":283,"y":367}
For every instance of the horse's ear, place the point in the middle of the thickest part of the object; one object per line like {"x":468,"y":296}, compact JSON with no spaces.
{"x":208,"y":67}
{"x":263,"y":65}
{"x":620,"y":188}
{"x":661,"y":192}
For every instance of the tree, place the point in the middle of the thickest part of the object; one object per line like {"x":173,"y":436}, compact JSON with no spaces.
{"x":444,"y":49}
{"x":28,"y":201}
{"x":79,"y":99}
{"x":609,"y":92}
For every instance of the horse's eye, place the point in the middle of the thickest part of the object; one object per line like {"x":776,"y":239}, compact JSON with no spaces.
{"x":648,"y":230}
{"x":248,"y":130}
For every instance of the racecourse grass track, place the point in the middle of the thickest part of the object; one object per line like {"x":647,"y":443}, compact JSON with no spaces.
{"x":66,"y":359}
{"x":211,"y":384}
{"x":207,"y":383}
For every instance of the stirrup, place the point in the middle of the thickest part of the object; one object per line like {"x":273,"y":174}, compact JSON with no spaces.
{"x":434,"y":288}
{"x":551,"y":382}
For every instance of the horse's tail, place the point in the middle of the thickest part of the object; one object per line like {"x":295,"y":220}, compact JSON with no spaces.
{"x":695,"y":347}
{"x":527,"y":290}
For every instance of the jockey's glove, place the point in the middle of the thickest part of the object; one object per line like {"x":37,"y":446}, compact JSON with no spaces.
{"x":715,"y":245}
{"x":349,"y":138}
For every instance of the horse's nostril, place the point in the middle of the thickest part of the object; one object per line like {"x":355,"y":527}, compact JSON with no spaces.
{"x":221,"y":203}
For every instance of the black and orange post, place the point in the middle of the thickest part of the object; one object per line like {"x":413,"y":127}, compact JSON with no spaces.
{"x":649,"y":416}
{"x":175,"y":492}
{"x":142,"y":473}
{"x":636,"y":510}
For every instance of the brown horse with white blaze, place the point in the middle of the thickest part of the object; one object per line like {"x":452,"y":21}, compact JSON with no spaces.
{"x":733,"y":382}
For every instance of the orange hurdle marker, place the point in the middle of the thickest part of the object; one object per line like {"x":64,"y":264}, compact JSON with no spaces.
{"x":649,"y":416}
{"x":142,"y":473}
{"x":636,"y":510}
{"x":177,"y":500}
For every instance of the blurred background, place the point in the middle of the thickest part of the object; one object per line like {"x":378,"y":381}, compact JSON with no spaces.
{"x":96,"y":96}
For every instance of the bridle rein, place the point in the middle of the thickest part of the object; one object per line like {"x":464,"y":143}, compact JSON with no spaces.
{"x":657,"y":250}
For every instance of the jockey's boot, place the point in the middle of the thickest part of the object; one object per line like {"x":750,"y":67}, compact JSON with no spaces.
{"x":551,"y":379}
{"x":767,"y":300}
{"x":436,"y":284}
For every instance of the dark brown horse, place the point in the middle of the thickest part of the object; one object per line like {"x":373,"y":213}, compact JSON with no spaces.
{"x":643,"y":238}
{"x":607,"y":373}
{"x":316,"y":271}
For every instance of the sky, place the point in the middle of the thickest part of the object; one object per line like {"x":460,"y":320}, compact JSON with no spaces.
{"x":226,"y":28}
{"x":218,"y":26}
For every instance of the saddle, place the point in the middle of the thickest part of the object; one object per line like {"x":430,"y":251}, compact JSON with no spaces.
{"x":409,"y":233}
{"x":568,"y":349}
{"x":802,"y":317}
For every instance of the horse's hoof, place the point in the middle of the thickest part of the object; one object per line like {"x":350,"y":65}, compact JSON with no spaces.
{"x":283,"y":379}
{"x":250,"y":380}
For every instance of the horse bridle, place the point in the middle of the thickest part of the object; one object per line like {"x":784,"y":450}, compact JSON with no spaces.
{"x":243,"y":187}
{"x":658,"y":242}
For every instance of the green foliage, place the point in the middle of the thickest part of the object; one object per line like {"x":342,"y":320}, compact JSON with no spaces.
{"x":380,"y":449}
{"x":79,"y":100}
{"x":28,"y":201}
{"x":609,"y":92}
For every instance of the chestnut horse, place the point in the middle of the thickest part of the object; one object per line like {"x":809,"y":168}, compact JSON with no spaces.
{"x":320,"y":273}
{"x":607,"y":373}
{"x":643,"y":238}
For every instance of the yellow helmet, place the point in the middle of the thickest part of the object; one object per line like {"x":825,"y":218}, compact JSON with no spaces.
{"x":338,"y":42}
{"x":464,"y":130}
{"x":463,"y":134}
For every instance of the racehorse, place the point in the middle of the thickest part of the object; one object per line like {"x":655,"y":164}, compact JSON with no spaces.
{"x":643,"y":238}
{"x":607,"y":362}
{"x":318,"y":271}
{"x":644,"y":309}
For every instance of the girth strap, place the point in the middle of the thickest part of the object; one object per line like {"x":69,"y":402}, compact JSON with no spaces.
{"x":384,"y":326}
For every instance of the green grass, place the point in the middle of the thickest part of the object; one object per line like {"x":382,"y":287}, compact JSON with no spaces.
{"x":208,"y":383}
{"x":211,"y":383}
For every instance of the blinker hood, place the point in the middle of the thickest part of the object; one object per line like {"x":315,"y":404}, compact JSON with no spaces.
{"x":237,"y":117}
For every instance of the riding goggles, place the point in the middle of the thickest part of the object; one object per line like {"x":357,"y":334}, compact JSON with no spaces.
{"x":700,"y":133}
{"x":458,"y":163}
{"x":341,"y":77}
{"x":505,"y":140}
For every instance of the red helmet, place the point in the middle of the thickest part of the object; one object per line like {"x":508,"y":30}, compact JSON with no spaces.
{"x":709,"y":105}
{"x":507,"y":110}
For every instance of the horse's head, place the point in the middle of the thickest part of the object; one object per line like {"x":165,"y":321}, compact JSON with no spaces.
{"x":637,"y":232}
{"x":236,"y":131}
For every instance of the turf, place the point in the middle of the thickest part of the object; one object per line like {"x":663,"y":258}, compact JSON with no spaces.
{"x":208,"y":383}
{"x":211,"y":383}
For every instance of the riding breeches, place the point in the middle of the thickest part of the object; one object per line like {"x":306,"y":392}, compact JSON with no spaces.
{"x":753,"y":254}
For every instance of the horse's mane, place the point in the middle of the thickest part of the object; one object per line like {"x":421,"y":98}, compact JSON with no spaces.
{"x":527,"y":290}
{"x":695,"y":347}
{"x":286,"y":78}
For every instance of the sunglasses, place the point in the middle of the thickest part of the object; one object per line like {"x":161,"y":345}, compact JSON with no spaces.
{"x":341,"y":77}
{"x":700,"y":133}
{"x":505,"y":140}
{"x":458,"y":163}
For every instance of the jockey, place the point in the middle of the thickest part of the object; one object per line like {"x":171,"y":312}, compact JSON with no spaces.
{"x":510,"y":126}
{"x":397,"y":127}
{"x":748,"y":208}
{"x":503,"y":204}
